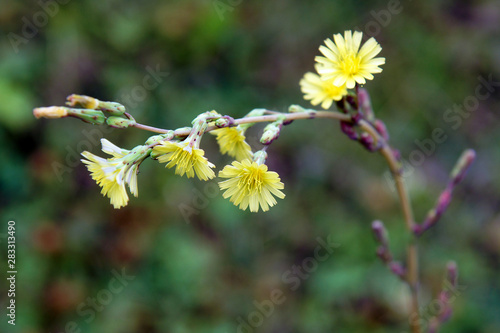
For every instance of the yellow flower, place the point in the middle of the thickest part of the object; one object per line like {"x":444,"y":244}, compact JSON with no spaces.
{"x":188,"y":160}
{"x":231,"y":141}
{"x":112,"y":174}
{"x":344,"y":61}
{"x":251,"y":184}
{"x":321,"y":91}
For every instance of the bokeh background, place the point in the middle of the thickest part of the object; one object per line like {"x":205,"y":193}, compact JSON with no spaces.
{"x":189,"y":260}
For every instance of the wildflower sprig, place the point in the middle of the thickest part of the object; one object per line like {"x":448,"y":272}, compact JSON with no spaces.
{"x":113,"y":173}
{"x":345,"y":65}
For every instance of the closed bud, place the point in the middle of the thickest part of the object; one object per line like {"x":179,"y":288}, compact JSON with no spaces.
{"x":260,"y":157}
{"x":119,"y":122}
{"x":296,"y":108}
{"x":365,"y":104}
{"x":114,"y":108}
{"x":397,"y":269}
{"x":381,"y":129}
{"x":87,"y":102}
{"x":51,"y":112}
{"x":222,"y":122}
{"x":271,"y":132}
{"x":82,"y":101}
{"x":94,"y":117}
{"x":380,"y":232}
{"x":452,"y":273}
{"x":463,"y":164}
{"x":160,"y":137}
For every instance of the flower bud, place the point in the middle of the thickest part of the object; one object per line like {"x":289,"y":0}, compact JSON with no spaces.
{"x":256,"y":113}
{"x":114,"y":108}
{"x":119,"y":122}
{"x":397,"y":269}
{"x":51,"y":112}
{"x":381,"y":129}
{"x":271,"y":132}
{"x":94,"y":117}
{"x":82,"y":101}
{"x":452,"y":273}
{"x":463,"y":164}
{"x":160,"y":137}
{"x":87,"y":102}
{"x":222,"y":122}
{"x":296,"y":108}
{"x":260,"y":157}
{"x":365,"y":104}
{"x":380,"y":232}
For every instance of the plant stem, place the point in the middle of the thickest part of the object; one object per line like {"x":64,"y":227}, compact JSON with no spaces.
{"x":396,"y":171}
{"x":150,"y":128}
{"x":259,"y":119}
{"x":412,"y":250}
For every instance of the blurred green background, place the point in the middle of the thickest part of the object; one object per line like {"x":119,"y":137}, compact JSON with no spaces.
{"x":216,"y":267}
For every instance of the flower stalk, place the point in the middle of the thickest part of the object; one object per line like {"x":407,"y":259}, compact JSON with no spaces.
{"x":345,"y":64}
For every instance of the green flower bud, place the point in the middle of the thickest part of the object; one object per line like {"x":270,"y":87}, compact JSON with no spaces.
{"x":119,"y":122}
{"x":296,"y":108}
{"x":256,"y":113}
{"x":89,"y":116}
{"x":271,"y":132}
{"x":222,"y":122}
{"x":260,"y":157}
{"x":87,"y":102}
{"x":157,"y":138}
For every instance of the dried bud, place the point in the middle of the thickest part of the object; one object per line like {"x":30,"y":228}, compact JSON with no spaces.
{"x":119,"y":122}
{"x":51,"y":112}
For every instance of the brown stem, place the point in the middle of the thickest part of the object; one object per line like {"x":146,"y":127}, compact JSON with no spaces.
{"x":412,"y":250}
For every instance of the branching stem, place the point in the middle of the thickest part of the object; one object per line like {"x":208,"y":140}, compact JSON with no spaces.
{"x":394,"y":165}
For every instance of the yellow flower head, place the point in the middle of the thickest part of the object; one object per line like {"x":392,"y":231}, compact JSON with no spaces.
{"x":321,"y":91}
{"x":187,"y":159}
{"x":345,"y":63}
{"x":231,"y":141}
{"x":112,"y":174}
{"x":251,"y":184}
